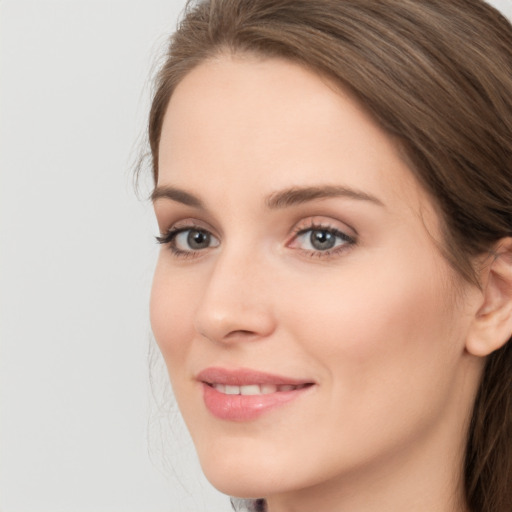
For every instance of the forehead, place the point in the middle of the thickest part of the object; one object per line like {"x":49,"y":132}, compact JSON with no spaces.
{"x":256,"y":125}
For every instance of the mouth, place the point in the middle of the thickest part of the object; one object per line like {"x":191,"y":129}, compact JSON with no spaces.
{"x":244,"y":395}
{"x":255,"y":389}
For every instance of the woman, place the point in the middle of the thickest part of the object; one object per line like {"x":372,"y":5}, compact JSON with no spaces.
{"x":333,"y":297}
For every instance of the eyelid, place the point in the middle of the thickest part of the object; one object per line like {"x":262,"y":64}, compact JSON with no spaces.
{"x":185,"y":223}
{"x":327,"y":223}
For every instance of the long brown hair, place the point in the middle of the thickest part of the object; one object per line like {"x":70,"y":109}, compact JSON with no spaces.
{"x":437,"y":76}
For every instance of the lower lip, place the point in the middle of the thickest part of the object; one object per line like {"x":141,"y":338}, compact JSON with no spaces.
{"x":246,"y":407}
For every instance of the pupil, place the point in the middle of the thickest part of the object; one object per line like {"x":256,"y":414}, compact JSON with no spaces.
{"x":322,"y":240}
{"x":198,"y":240}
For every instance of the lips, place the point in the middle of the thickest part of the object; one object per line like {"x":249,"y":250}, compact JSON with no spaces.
{"x":244,"y":395}
{"x":245,"y":377}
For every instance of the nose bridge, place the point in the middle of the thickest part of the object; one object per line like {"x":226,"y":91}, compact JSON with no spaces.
{"x":235,"y":303}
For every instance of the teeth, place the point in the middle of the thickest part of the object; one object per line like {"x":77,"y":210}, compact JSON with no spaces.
{"x":232,"y":390}
{"x":266,"y":389}
{"x":254,"y":389}
{"x":250,"y":390}
{"x":220,"y":387}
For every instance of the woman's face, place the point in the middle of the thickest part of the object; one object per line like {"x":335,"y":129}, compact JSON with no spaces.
{"x":311,"y":328}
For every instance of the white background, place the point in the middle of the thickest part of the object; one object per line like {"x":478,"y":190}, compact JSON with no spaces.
{"x":76,"y":258}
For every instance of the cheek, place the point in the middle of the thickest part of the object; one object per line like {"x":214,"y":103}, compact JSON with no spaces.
{"x":383,"y":336}
{"x":385,"y":345}
{"x":172,"y":300}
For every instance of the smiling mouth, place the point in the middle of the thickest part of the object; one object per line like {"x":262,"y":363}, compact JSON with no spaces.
{"x":255,"y":389}
{"x":247,"y":402}
{"x":243,"y":394}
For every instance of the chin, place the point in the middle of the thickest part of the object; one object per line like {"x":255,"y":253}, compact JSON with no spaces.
{"x":245,"y":490}
{"x":235,"y":485}
{"x":245,"y":477}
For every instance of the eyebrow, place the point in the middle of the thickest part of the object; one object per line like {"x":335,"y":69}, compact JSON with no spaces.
{"x":277,"y":200}
{"x":177,"y":194}
{"x":299,"y":195}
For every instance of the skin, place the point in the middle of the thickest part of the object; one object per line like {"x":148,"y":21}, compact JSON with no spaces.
{"x":380,"y":325}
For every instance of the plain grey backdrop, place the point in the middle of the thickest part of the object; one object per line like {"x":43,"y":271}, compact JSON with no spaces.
{"x":76,"y":258}
{"x":78,"y":427}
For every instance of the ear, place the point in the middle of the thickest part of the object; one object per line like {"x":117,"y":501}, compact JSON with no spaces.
{"x":492,"y":325}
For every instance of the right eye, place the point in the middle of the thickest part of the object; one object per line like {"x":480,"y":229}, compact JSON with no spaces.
{"x":188,"y":241}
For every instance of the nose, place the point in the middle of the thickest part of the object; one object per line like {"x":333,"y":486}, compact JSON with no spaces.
{"x":236,"y":304}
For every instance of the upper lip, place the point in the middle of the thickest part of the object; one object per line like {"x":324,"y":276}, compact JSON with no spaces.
{"x":245,"y":377}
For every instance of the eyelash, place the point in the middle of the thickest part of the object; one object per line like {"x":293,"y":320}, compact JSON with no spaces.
{"x":169,"y":239}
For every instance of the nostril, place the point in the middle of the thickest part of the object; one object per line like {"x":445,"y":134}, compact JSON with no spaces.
{"x":241,"y":332}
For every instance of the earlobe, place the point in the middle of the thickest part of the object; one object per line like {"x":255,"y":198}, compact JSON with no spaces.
{"x":492,"y":325}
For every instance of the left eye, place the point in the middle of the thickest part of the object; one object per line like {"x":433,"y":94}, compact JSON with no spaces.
{"x":321,"y":239}
{"x":184,"y":241}
{"x":194,"y":240}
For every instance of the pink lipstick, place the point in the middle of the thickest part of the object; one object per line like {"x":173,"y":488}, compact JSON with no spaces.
{"x":244,"y":395}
